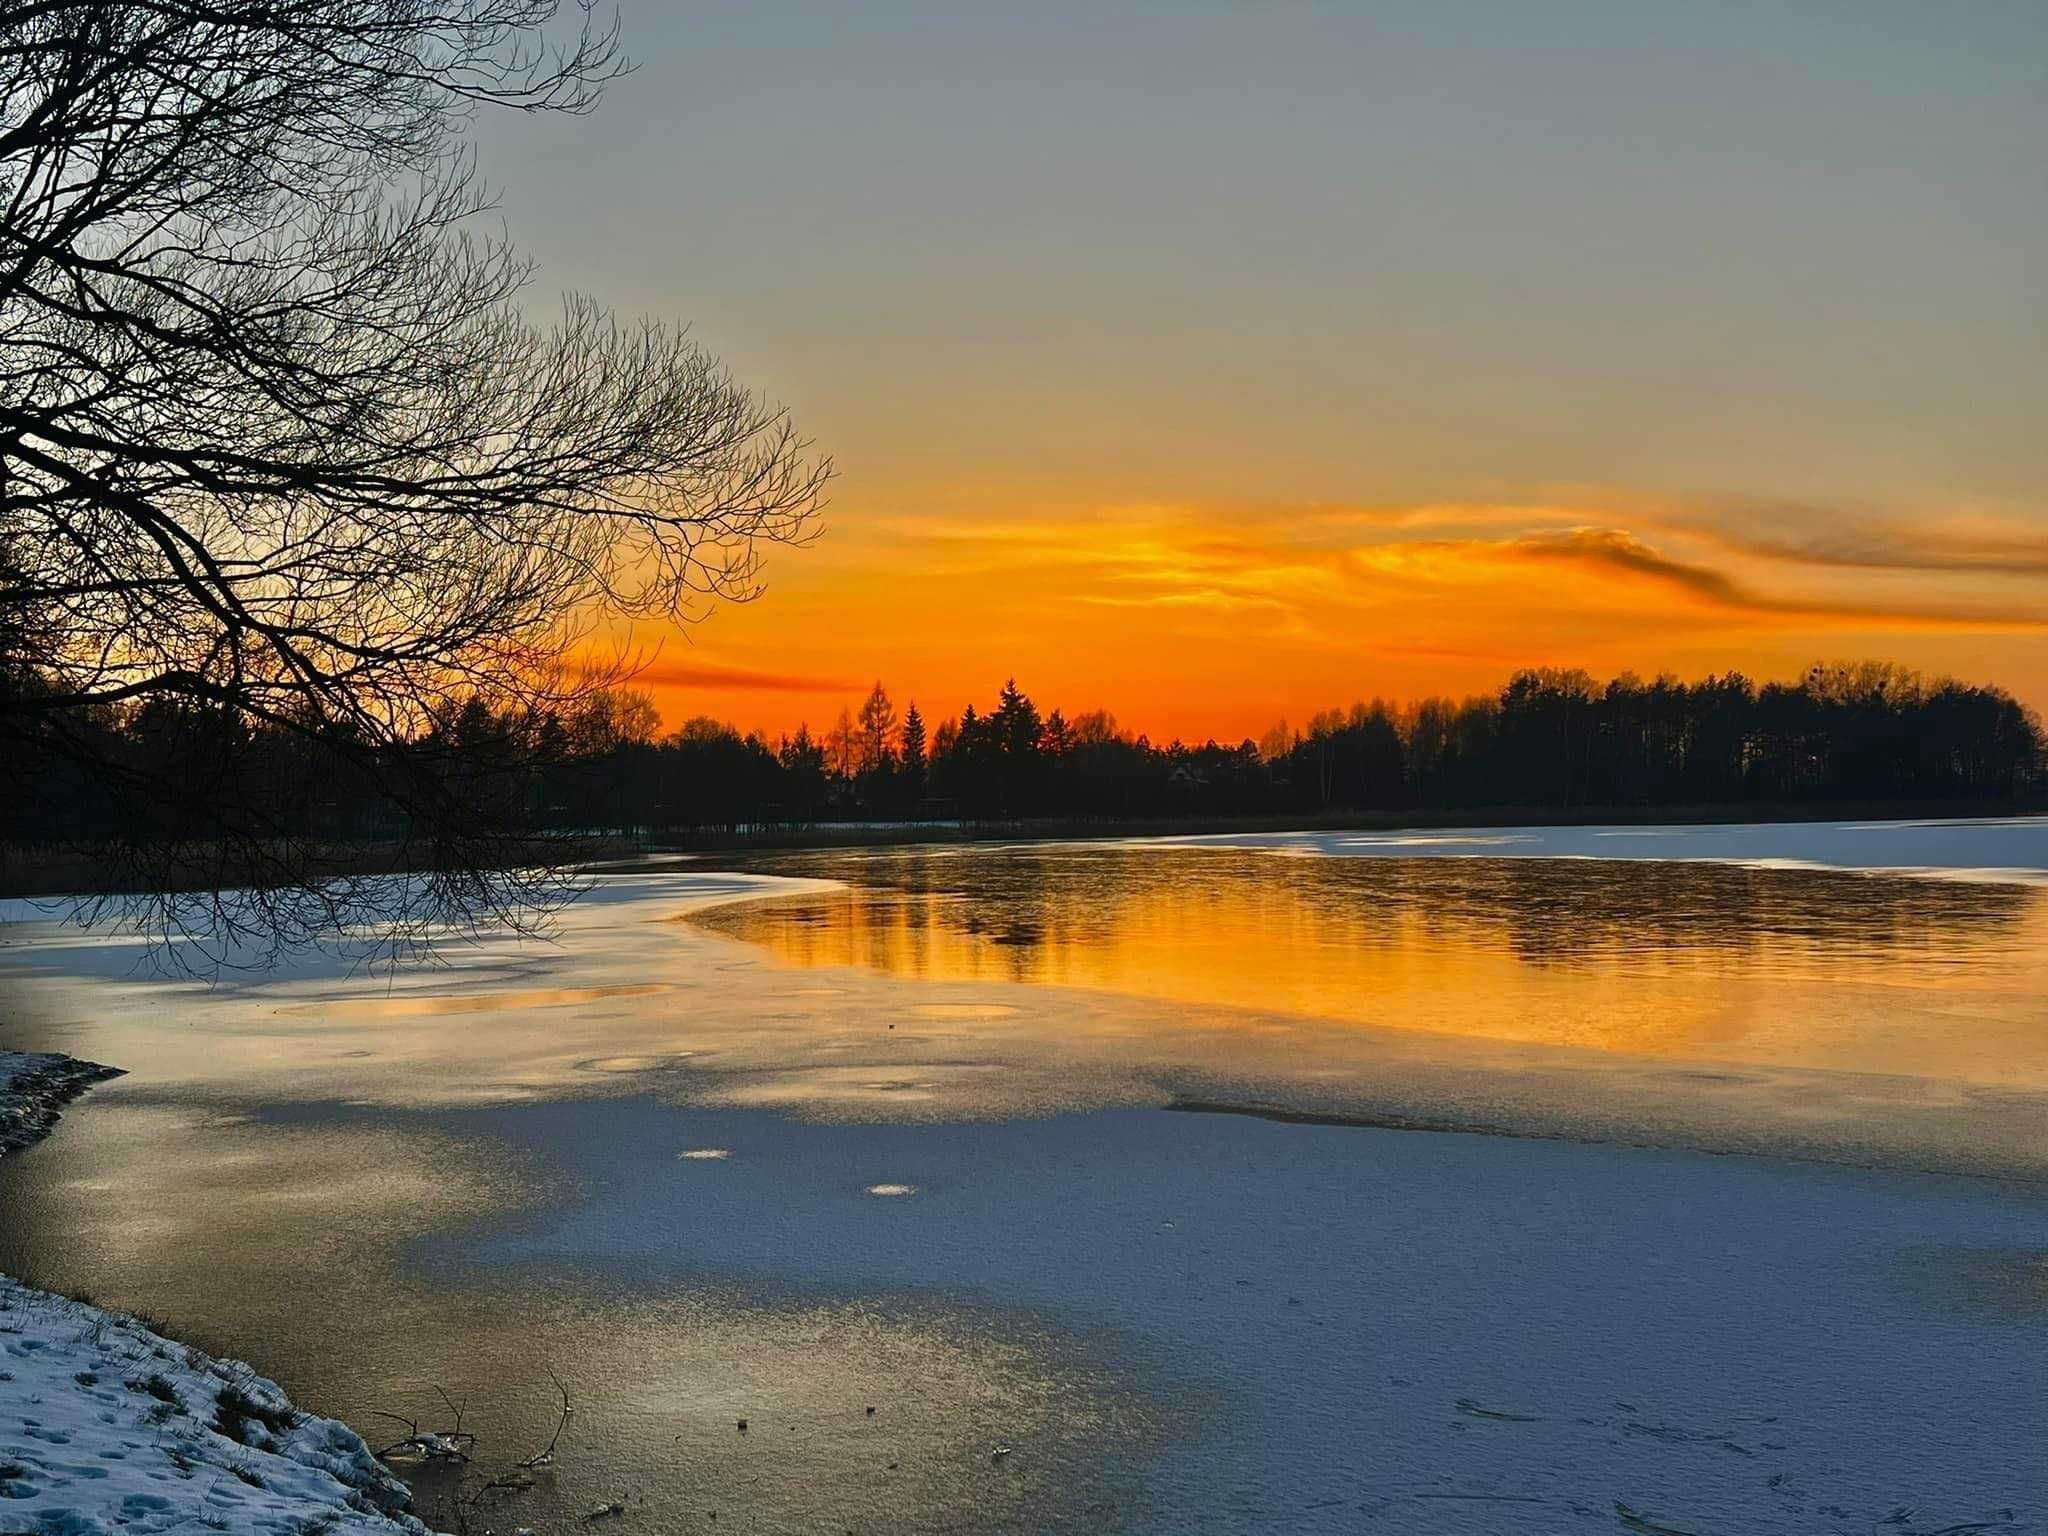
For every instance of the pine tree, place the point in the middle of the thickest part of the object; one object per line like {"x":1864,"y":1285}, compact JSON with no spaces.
{"x":1016,"y":722}
{"x":1057,"y":739}
{"x":913,"y":751}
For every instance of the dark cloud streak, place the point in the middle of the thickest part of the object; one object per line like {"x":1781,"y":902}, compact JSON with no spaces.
{"x":709,"y":676}
{"x":1901,"y":552}
{"x":1617,"y":549}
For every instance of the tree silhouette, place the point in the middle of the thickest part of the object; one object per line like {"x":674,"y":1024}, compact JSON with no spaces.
{"x":279,"y":451}
{"x":1549,"y":741}
{"x":1864,"y":736}
{"x":845,"y":747}
{"x":877,"y":727}
{"x":802,"y":762}
{"x":1015,"y":737}
{"x":913,"y":749}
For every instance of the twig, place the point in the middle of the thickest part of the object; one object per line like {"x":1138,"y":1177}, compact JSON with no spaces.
{"x":543,"y":1457}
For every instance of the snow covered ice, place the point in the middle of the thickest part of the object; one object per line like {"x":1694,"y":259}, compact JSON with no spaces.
{"x":667,"y":1183}
{"x":2011,"y":848}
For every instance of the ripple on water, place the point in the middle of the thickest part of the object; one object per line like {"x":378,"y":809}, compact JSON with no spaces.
{"x":705,"y":1154}
{"x":892,"y":1190}
{"x":965,"y":1011}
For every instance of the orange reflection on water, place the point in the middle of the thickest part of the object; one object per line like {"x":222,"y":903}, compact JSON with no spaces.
{"x":1786,"y":967}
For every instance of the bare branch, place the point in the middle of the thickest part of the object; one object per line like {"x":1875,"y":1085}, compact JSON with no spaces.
{"x":281,"y":455}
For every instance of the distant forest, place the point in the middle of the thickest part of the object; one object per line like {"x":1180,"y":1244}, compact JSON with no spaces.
{"x":1548,"y":741}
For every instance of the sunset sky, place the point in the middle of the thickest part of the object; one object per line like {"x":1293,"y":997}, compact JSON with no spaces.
{"x":1219,"y":363}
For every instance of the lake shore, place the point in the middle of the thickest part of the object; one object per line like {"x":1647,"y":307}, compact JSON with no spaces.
{"x":58,"y":873}
{"x":34,"y":1088}
{"x":710,"y":1184}
{"x":105,"y":1424}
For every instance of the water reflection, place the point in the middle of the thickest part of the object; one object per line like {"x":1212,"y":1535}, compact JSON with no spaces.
{"x":291,"y":1238}
{"x":1787,"y":967}
{"x":281,"y":1171}
{"x":1851,"y":1017}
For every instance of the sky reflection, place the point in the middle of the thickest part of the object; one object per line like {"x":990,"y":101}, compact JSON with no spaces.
{"x":1801,"y":968}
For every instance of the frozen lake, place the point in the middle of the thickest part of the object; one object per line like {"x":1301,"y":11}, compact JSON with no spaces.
{"x":1084,"y":1155}
{"x":2008,"y":848}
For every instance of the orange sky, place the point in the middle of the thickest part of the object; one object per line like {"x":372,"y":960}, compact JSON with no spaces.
{"x":1219,"y":621}
{"x":1222,"y":362}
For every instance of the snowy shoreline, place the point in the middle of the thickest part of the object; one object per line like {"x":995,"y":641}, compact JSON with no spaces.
{"x":106,"y":1425}
{"x":34,"y":1088}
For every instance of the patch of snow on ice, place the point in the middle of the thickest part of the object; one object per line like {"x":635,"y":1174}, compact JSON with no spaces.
{"x":2011,"y":850}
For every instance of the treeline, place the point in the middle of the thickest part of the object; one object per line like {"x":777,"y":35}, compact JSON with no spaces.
{"x":1549,"y":740}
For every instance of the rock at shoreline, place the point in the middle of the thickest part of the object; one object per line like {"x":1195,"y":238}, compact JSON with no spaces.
{"x":34,"y":1088}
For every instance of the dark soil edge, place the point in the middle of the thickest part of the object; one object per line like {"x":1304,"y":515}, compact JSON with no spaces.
{"x":31,"y":1103}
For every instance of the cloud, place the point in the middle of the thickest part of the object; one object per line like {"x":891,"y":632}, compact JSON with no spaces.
{"x":2002,"y":543}
{"x":1198,"y":597}
{"x":1309,"y":563}
{"x":1616,"y":549}
{"x":718,"y":679}
{"x":1884,"y":549}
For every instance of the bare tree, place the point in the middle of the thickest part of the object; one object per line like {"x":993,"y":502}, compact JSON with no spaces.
{"x":280,"y":451}
{"x":844,"y":747}
{"x":877,"y":728}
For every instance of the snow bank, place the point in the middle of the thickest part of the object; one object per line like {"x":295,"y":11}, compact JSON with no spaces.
{"x":34,"y":1087}
{"x":107,"y":1426}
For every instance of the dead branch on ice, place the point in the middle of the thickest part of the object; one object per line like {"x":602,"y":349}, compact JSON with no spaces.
{"x":546,"y":1455}
{"x":457,"y":1446}
{"x":426,"y":1444}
